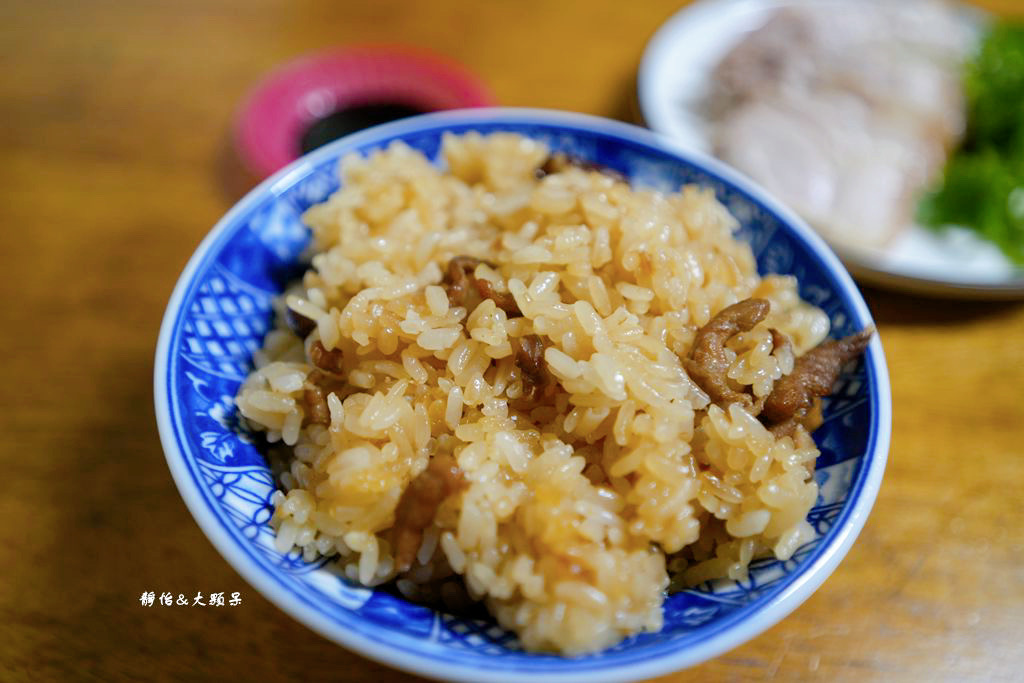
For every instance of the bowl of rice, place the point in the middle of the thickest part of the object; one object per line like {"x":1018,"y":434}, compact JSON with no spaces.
{"x":500,"y":394}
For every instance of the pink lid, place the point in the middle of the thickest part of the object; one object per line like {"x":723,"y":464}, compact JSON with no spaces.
{"x":293,"y":97}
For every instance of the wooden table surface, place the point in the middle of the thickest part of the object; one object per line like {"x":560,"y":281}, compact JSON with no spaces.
{"x":115,"y":161}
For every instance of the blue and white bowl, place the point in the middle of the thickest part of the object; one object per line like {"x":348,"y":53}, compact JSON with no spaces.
{"x":221,"y":308}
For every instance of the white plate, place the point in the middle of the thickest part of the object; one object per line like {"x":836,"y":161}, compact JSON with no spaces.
{"x":674,"y":81}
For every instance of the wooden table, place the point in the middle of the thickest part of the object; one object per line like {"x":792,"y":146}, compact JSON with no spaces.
{"x":114,"y":122}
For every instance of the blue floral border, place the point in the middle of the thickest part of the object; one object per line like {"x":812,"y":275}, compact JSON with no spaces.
{"x":225,"y":312}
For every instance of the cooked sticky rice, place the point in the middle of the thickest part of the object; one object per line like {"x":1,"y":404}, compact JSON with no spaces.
{"x":580,"y":499}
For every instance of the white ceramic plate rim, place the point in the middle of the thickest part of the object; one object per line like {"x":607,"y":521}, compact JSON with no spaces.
{"x":782,"y":604}
{"x":919,"y":261}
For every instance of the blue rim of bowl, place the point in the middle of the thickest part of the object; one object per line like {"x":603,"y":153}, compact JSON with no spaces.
{"x":732,"y":630}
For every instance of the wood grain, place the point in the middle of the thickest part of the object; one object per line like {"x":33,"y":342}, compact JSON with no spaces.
{"x":114,"y":122}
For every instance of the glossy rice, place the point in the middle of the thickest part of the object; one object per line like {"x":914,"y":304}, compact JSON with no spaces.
{"x":579,"y":502}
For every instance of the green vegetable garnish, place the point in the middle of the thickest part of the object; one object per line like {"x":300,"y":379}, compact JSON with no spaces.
{"x":983,"y":184}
